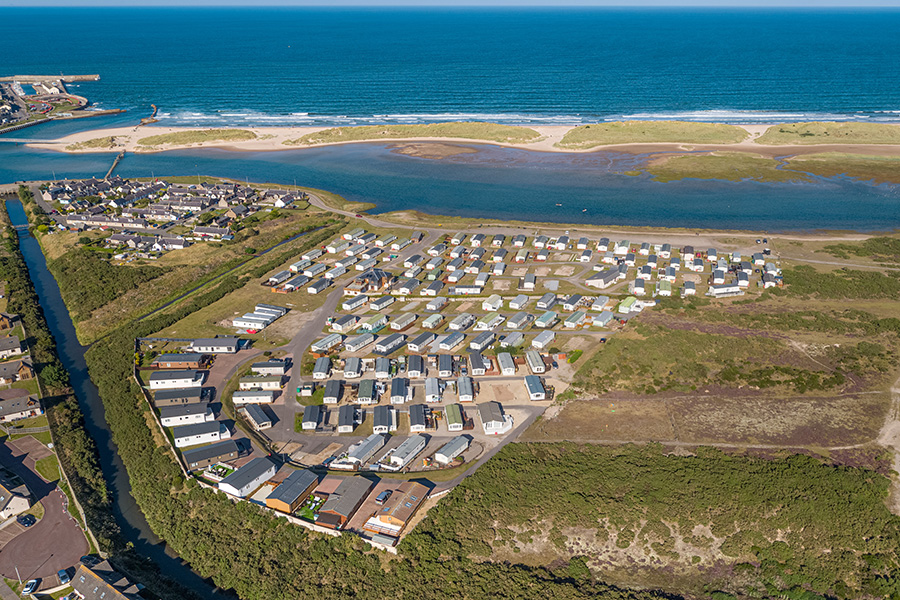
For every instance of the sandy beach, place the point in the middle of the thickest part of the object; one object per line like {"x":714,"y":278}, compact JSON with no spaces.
{"x":275,"y":138}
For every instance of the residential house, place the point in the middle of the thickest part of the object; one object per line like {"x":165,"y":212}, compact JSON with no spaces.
{"x":245,"y":480}
{"x":204,"y":456}
{"x":493,"y":419}
{"x":290,"y":495}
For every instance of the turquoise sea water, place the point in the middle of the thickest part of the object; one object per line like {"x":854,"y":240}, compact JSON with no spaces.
{"x":307,"y":66}
{"x":231,"y":66}
{"x":506,"y":183}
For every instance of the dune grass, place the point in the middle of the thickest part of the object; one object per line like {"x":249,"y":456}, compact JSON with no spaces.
{"x":831,"y":133}
{"x":491,"y":132}
{"x":879,"y":169}
{"x":196,"y":136}
{"x":100,"y":143}
{"x":728,"y":166}
{"x":641,"y":132}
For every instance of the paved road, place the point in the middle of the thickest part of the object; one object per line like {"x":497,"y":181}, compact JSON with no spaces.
{"x":53,"y":543}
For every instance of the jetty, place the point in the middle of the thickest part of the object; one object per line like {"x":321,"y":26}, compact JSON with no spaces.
{"x":29,"y":79}
{"x":115,"y":163}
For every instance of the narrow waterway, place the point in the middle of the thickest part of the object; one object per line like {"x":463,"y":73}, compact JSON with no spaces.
{"x":128,"y":516}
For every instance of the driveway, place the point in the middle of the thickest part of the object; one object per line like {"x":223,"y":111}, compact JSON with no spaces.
{"x":53,"y":543}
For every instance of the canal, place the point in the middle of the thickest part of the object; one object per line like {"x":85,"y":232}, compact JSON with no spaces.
{"x":129,"y":517}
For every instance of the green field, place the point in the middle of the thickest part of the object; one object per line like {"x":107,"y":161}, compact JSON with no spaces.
{"x":728,"y":166}
{"x":645,"y":132}
{"x":831,"y":133}
{"x":462,"y":130}
{"x":196,"y":136}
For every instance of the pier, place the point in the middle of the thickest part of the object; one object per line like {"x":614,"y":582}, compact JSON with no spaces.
{"x":115,"y":162}
{"x":29,"y":79}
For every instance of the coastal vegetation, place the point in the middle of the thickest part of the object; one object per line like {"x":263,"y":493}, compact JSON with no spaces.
{"x":878,"y":169}
{"x":490,"y":132}
{"x":728,"y":525}
{"x":198,"y":136}
{"x":646,"y":132}
{"x":829,"y":132}
{"x":879,"y":249}
{"x":101,"y":143}
{"x":87,"y":281}
{"x":728,"y":166}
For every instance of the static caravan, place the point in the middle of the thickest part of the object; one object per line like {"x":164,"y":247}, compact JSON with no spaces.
{"x":186,"y":414}
{"x":381,"y":303}
{"x":477,"y":365}
{"x":355,"y":344}
{"x":415,"y":366}
{"x":421,"y":342}
{"x":543,"y":339}
{"x":535,"y":388}
{"x":353,"y":368}
{"x":455,"y":419}
{"x":451,"y":341}
{"x":390,"y":343}
{"x":465,"y":388}
{"x":507,"y":364}
{"x":492,"y":304}
{"x":482,"y":341}
{"x":334,"y":389}
{"x":244,"y":397}
{"x":546,"y":320}
{"x":199,"y":433}
{"x":547,"y":301}
{"x":172,"y":380}
{"x":257,"y":417}
{"x":445,"y":365}
{"x":384,"y":419}
{"x":366,"y":393}
{"x":433,"y":389}
{"x":433,"y":321}
{"x":519,"y":320}
{"x":535,"y":361}
{"x":245,"y":480}
{"x":449,"y":451}
{"x":322,"y":368}
{"x":401,"y":391}
{"x":355,"y":302}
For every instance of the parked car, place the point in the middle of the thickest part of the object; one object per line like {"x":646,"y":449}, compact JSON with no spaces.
{"x":64,"y":577}
{"x":26,"y":520}
{"x":31,"y":586}
{"x":383,"y":497}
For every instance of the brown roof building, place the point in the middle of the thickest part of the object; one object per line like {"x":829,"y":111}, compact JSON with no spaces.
{"x":398,"y":510}
{"x":102,"y":582}
{"x":343,"y":502}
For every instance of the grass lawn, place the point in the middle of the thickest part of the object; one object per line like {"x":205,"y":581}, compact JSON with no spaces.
{"x":338,"y":202}
{"x":831,"y":133}
{"x":309,"y":508}
{"x":317,"y":398}
{"x":728,"y":166}
{"x":38,"y":421}
{"x":196,"y":136}
{"x":463,"y":130}
{"x":48,"y":468}
{"x":435,"y":475}
{"x":642,"y":132}
{"x":36,"y":510}
{"x":26,"y":384}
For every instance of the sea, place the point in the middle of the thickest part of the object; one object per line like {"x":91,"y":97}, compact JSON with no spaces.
{"x":355,"y":66}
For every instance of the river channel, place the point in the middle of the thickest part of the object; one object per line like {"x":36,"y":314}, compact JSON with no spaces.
{"x":129,"y":517}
